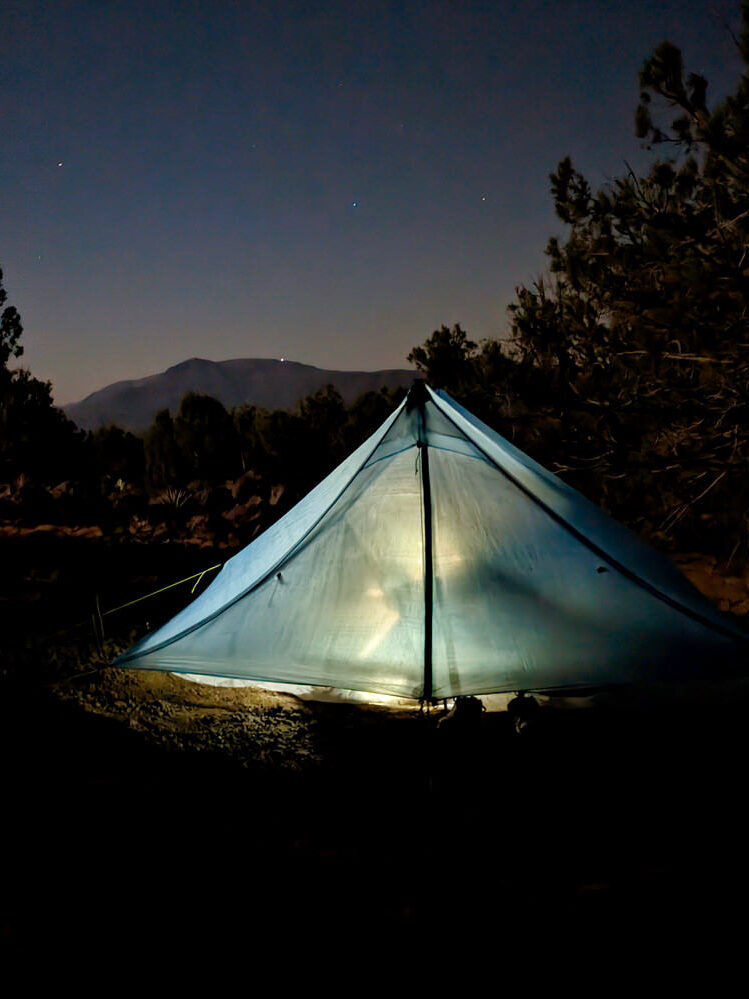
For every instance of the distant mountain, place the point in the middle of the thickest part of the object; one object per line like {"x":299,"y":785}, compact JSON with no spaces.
{"x":271,"y":384}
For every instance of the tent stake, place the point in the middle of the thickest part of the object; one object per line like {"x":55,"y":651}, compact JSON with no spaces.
{"x":98,"y":625}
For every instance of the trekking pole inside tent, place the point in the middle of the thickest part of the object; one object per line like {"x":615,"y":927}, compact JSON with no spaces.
{"x":419,"y":393}
{"x":428,"y":572}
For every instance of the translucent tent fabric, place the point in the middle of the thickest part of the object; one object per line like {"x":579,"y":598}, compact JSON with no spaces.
{"x":531,"y":586}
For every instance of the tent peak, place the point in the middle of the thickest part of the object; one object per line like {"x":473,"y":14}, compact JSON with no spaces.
{"x":417,"y":394}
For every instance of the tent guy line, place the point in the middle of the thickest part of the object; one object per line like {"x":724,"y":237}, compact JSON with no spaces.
{"x":196,"y":576}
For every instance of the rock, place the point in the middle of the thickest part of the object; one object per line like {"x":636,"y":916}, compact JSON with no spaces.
{"x":214,"y":501}
{"x":704,"y":573}
{"x":140,"y":528}
{"x":244,"y":512}
{"x":87,"y":532}
{"x":198,"y":524}
{"x":245,"y":486}
{"x":61,"y":489}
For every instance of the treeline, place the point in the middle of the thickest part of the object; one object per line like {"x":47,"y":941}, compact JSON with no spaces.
{"x":205,"y":473}
{"x":205,"y":442}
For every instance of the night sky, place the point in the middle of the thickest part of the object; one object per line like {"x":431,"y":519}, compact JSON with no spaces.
{"x":322,"y":181}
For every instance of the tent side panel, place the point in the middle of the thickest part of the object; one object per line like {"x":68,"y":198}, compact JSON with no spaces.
{"x":254,"y":562}
{"x":519,"y":603}
{"x":347,"y":609}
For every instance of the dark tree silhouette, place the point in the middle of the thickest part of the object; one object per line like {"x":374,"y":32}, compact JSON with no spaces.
{"x":446,"y":358}
{"x":207,"y":441}
{"x":36,"y":439}
{"x":163,"y":458}
{"x":119,"y":456}
{"x":627,"y":368}
{"x":10,"y":329}
{"x":643,"y":328}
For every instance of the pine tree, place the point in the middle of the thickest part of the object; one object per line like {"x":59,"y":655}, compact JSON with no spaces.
{"x":642,"y":329}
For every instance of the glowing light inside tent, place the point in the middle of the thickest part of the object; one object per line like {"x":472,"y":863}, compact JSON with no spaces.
{"x":388,"y":619}
{"x":448,"y":556}
{"x":306,"y":692}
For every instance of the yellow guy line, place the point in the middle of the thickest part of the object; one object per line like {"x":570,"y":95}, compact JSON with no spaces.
{"x":198,"y":576}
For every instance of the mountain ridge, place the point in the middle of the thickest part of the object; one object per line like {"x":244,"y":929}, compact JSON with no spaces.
{"x":267,"y":382}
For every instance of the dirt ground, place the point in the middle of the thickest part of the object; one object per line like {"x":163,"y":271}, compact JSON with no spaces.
{"x":141,"y":806}
{"x":143,"y":803}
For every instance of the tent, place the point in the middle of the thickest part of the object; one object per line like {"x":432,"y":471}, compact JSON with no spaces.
{"x":439,"y":560}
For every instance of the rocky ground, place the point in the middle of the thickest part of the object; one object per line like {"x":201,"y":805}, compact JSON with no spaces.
{"x":256,"y":728}
{"x":142,"y":806}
